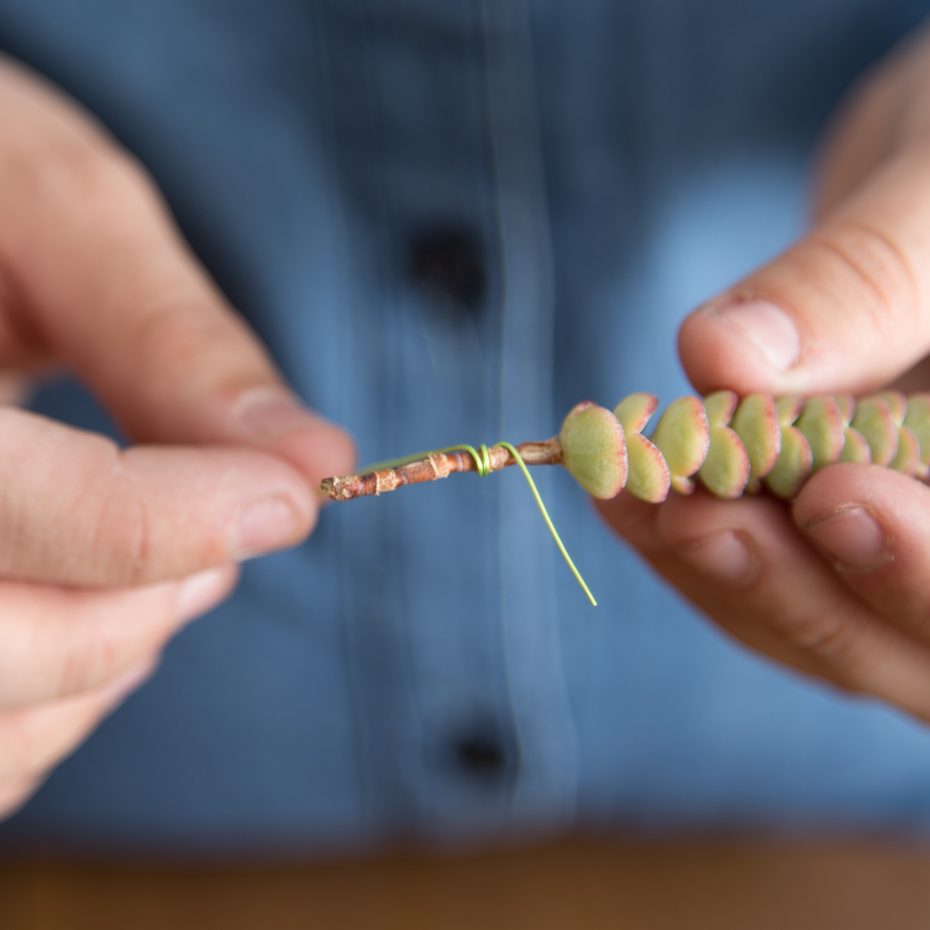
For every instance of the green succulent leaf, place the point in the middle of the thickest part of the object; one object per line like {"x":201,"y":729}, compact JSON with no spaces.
{"x":649,"y":478}
{"x":725,"y":471}
{"x":897,"y":405}
{"x":719,"y":407}
{"x":855,"y":448}
{"x":917,"y":420}
{"x":634,"y":411}
{"x":907,"y":457}
{"x":756,"y":424}
{"x":683,"y":438}
{"x":792,"y":466}
{"x":874,"y":419}
{"x":787,"y":408}
{"x":594,"y":449}
{"x":822,"y":424}
{"x":846,"y":404}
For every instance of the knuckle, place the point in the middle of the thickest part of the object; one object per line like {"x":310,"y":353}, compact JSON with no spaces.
{"x":91,"y":658}
{"x":108,"y":187}
{"x":68,"y":163}
{"x":169,"y":337}
{"x":826,"y":638}
{"x":879,"y":267}
{"x":80,"y":180}
{"x":120,"y":526}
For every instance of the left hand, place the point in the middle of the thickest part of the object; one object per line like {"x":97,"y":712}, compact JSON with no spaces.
{"x":838,"y":584}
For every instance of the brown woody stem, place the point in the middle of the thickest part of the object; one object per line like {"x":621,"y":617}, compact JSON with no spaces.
{"x":434,"y":466}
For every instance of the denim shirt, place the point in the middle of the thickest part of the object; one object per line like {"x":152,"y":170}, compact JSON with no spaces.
{"x":450,"y":220}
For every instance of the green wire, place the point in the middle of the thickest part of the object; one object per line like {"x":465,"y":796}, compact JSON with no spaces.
{"x":482,"y":460}
{"x":548,"y":520}
{"x":395,"y":463}
{"x":482,"y":464}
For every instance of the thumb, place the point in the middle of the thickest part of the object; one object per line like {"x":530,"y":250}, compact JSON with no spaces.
{"x":107,"y":282}
{"x":845,"y":309}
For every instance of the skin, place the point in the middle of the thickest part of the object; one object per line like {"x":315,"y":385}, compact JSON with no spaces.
{"x":836,"y":585}
{"x":106,"y":553}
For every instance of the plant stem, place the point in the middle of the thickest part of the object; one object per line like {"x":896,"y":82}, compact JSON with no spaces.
{"x":435,"y":465}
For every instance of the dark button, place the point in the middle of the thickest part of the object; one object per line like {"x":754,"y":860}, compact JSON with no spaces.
{"x":481,"y":754}
{"x":445,"y":260}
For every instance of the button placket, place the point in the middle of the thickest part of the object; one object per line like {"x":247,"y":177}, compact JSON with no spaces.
{"x":530,"y":636}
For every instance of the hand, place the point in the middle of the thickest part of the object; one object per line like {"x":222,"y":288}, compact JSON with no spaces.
{"x":838,"y":584}
{"x":105,"y":553}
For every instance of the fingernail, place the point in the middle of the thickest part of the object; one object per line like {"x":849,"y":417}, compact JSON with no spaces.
{"x":267,"y":525}
{"x":767,"y":328}
{"x":201,"y":592}
{"x":852,"y":537}
{"x":117,"y":691}
{"x":724,"y":557}
{"x":267,"y":413}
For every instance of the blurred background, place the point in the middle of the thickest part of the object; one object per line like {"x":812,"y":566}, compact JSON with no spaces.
{"x":699,"y":884}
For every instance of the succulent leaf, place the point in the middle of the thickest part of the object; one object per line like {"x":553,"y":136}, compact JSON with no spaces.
{"x":594,"y":449}
{"x":725,"y":471}
{"x":682,"y":485}
{"x":846,"y":404}
{"x":683,"y":437}
{"x":787,"y":407}
{"x":917,"y":420}
{"x":719,"y":407}
{"x":649,"y":478}
{"x":855,"y":448}
{"x":874,"y":419}
{"x":634,"y":411}
{"x":756,"y":424}
{"x":822,"y":424}
{"x":793,"y":464}
{"x":907,"y":457}
{"x":897,"y":405}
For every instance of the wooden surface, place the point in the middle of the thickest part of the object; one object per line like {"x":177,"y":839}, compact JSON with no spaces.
{"x":587,"y":885}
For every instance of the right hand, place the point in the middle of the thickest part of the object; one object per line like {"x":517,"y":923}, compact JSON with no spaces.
{"x":105,"y":553}
{"x":836,"y":585}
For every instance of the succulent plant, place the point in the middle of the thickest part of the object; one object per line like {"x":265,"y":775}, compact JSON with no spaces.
{"x":733,"y":446}
{"x":728,"y":444}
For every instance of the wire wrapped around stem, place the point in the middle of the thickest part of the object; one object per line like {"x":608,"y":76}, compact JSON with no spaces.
{"x":440,"y":463}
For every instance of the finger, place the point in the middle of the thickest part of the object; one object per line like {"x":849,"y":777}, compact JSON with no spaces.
{"x":77,"y":510}
{"x":863,"y":133}
{"x":14,"y":794}
{"x":872,"y":525}
{"x":57,"y":642}
{"x":103,"y":278}
{"x":846,"y":309}
{"x":34,"y":739}
{"x":638,"y":524}
{"x":633,"y":519}
{"x":742,"y":563}
{"x":15,"y":389}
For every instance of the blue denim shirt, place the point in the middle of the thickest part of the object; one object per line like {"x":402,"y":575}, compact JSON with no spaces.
{"x":450,"y":220}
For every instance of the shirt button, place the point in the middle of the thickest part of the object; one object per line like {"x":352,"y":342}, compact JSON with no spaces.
{"x":445,"y":261}
{"x":481,"y":754}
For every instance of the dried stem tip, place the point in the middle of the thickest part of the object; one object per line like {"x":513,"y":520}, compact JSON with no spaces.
{"x":435,"y":465}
